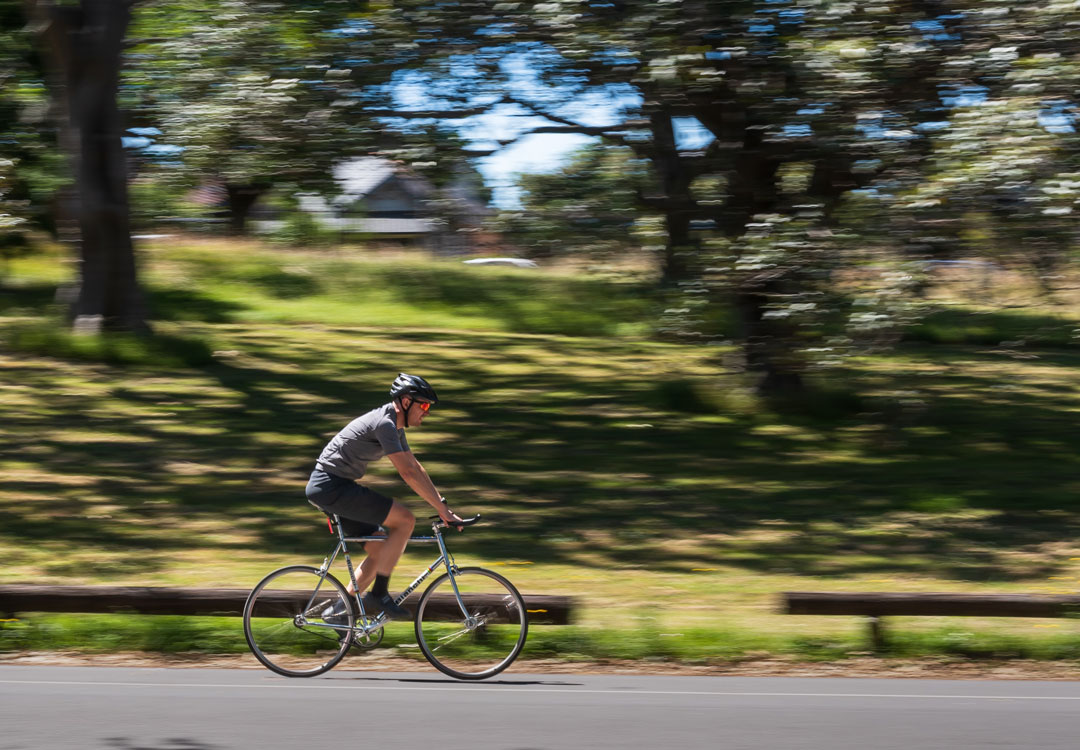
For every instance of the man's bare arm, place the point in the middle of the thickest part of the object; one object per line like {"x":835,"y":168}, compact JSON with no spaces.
{"x":417,"y":478}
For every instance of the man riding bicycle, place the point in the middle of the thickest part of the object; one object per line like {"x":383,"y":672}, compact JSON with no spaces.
{"x":333,"y":489}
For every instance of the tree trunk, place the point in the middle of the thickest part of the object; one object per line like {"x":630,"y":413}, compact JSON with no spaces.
{"x":84,"y":44}
{"x":241,"y":200}
{"x":679,"y":205}
{"x":768,"y":343}
{"x":752,"y":189}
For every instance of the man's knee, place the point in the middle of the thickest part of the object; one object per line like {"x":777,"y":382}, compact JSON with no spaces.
{"x":400,"y":517}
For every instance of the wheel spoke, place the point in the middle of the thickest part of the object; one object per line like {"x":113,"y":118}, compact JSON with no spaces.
{"x":486,"y":638}
{"x":274,"y":611}
{"x":451,"y":637}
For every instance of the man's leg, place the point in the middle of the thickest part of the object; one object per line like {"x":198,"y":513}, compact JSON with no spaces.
{"x":365,"y":572}
{"x":399,"y":525}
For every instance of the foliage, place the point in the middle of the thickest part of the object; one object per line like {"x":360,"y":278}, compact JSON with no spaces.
{"x":252,"y":95}
{"x":871,"y":113}
{"x":300,"y":229}
{"x":240,"y":93}
{"x":30,"y":170}
{"x":815,"y":300}
{"x":845,"y":140}
{"x":13,"y":240}
{"x":587,"y":208}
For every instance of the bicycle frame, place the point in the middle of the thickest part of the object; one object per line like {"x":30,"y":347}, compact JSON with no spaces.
{"x":364,"y":624}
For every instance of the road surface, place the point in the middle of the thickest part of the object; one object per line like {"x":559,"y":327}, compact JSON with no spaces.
{"x":54,"y":708}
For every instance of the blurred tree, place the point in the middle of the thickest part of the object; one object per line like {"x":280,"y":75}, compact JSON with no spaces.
{"x":589,"y":207}
{"x":815,"y":106}
{"x":843,"y":134}
{"x":783,"y":87}
{"x":82,"y":45}
{"x":31,"y":170}
{"x":780,"y":93}
{"x":249,"y":95}
{"x":12,"y":218}
{"x":245,"y":95}
{"x":13,"y":240}
{"x":1003,"y":169}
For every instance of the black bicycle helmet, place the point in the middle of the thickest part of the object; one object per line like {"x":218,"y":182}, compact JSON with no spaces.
{"x":413,"y":385}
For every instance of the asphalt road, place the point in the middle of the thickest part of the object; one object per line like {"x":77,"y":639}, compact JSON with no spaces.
{"x":206,"y":709}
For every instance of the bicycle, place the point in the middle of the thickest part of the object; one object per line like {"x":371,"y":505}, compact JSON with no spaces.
{"x":463,"y":627}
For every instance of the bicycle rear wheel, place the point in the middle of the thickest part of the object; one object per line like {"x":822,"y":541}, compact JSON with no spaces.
{"x":480,"y":642}
{"x":283,"y":621}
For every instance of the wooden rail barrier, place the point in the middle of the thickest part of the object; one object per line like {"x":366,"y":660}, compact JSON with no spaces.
{"x":543,"y":609}
{"x":878,"y":605}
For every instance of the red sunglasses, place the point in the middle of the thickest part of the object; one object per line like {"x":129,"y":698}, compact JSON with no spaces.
{"x":424,"y":405}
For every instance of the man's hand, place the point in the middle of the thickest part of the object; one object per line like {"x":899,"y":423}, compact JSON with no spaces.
{"x":449,"y":517}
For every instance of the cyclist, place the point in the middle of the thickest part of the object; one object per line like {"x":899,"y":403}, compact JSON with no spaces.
{"x":332,"y":488}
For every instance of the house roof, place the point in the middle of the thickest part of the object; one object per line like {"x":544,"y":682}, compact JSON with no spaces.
{"x":363,"y":175}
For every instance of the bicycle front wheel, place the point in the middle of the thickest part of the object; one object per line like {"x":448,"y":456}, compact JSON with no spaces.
{"x":480,"y":641}
{"x":283,"y":621}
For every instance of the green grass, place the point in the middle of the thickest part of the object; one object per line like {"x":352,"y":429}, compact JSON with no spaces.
{"x":50,"y":338}
{"x":635,"y":475}
{"x":335,"y":287}
{"x":994,"y":327}
{"x":644,"y":638}
{"x":223,"y":635}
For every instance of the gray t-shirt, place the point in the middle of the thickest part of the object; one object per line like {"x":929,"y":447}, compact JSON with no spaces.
{"x":366,"y":438}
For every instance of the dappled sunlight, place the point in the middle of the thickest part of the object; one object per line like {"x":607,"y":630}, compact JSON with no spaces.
{"x":800,"y":310}
{"x":566,"y":445}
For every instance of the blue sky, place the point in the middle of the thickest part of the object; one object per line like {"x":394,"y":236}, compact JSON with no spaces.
{"x":540,"y":152}
{"x":544,"y":152}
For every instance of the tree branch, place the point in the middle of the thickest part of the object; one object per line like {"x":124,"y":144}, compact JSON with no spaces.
{"x":435,"y":114}
{"x":627,"y":124}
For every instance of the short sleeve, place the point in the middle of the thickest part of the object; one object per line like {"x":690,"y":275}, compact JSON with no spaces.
{"x":389,"y":438}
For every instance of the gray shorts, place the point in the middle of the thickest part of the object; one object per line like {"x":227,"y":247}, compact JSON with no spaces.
{"x":361,"y":509}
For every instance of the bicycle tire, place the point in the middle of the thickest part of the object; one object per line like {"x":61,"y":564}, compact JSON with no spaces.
{"x":277,"y":640}
{"x":481,"y":649}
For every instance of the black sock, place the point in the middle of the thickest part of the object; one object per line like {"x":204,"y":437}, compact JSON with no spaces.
{"x":379,"y":588}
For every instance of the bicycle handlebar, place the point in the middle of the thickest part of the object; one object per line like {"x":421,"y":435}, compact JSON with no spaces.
{"x":464,"y":521}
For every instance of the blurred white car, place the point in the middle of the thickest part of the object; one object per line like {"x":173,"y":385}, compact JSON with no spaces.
{"x":519,"y":262}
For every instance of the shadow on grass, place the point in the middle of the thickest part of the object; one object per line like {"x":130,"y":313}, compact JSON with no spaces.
{"x":572,"y":465}
{"x":29,"y":299}
{"x":169,"y":304}
{"x":174,"y":304}
{"x":960,"y":326}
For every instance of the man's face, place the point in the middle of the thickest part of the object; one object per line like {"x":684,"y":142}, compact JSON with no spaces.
{"x":415,"y":411}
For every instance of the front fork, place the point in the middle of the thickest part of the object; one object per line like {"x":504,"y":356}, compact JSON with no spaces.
{"x":471,"y":622}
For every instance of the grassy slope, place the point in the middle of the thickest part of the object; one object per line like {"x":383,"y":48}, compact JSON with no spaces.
{"x":960,"y":472}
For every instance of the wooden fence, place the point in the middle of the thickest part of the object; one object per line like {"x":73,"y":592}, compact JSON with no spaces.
{"x":543,"y":609}
{"x":878,"y":605}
